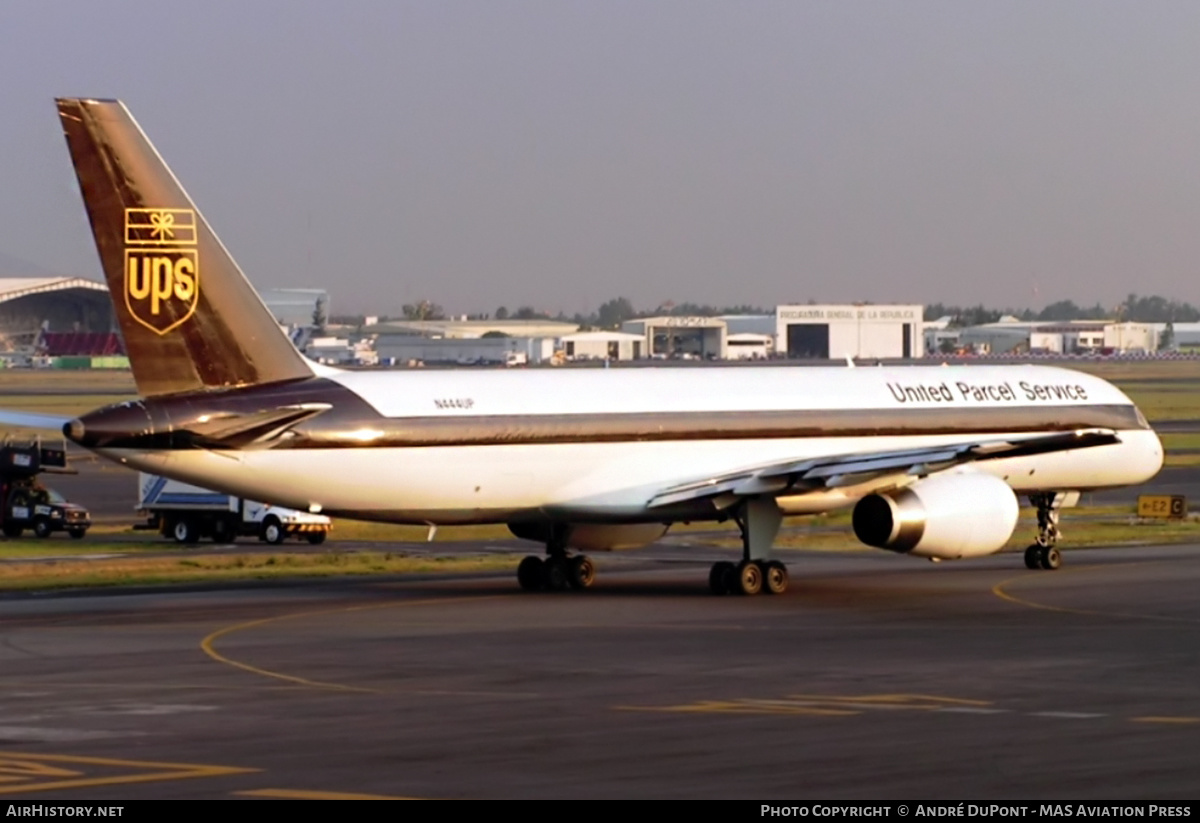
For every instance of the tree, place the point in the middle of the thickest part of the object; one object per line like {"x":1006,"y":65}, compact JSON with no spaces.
{"x":423,"y":310}
{"x":1168,"y":337}
{"x":319,"y":317}
{"x":502,"y":313}
{"x":487,"y":335}
{"x":530,"y":313}
{"x":615,"y":312}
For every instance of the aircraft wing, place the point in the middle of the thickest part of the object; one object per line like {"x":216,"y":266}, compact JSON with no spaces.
{"x":33,"y":420}
{"x":827,"y":472}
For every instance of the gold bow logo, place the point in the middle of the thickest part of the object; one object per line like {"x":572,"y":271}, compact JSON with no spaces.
{"x":162,"y":225}
{"x":162,"y":266}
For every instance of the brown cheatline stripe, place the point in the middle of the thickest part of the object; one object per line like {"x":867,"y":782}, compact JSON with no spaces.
{"x":750,"y":425}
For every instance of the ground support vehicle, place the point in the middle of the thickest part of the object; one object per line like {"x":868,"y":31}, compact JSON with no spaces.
{"x":25,"y":503}
{"x":187,"y":513}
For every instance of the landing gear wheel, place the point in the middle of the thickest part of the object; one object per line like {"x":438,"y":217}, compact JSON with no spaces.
{"x":1033,"y":557}
{"x":12,"y":530}
{"x":749,"y":577}
{"x":77,"y":533}
{"x":1050,"y":559}
{"x":316,"y":538}
{"x":530,"y":574}
{"x":580,"y":572}
{"x":41,"y":527}
{"x":775,"y":577}
{"x":555,"y":571}
{"x":721,"y":577}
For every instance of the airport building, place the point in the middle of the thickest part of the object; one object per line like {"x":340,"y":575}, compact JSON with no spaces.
{"x":296,"y":307}
{"x":407,"y":349}
{"x":68,"y":313}
{"x":670,"y":337}
{"x":602,"y":345}
{"x":1012,"y":336}
{"x":870,"y":331}
{"x":474,"y":329}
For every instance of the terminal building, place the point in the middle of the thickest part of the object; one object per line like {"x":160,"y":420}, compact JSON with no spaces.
{"x":859,"y":331}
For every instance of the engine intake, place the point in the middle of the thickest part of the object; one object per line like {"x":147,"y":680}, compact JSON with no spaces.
{"x":947,"y":516}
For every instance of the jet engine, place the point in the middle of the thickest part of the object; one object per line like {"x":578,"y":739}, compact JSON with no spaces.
{"x":595,"y":537}
{"x":944,"y":516}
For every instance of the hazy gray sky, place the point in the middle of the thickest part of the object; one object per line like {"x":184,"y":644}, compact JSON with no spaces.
{"x":560,"y":153}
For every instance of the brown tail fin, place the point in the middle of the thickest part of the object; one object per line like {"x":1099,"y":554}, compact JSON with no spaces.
{"x":189,"y":317}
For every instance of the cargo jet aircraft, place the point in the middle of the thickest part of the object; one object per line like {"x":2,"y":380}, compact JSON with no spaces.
{"x":930,"y":458}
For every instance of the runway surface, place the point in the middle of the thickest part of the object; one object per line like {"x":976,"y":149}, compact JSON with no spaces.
{"x":875,"y":676}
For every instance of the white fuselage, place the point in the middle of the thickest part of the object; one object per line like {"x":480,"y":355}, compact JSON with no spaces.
{"x":498,"y":476}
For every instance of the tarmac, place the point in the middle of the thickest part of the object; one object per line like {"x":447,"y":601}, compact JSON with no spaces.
{"x":874,"y":676}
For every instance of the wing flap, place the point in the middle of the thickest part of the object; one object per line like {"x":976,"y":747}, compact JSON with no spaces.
{"x":836,"y":471}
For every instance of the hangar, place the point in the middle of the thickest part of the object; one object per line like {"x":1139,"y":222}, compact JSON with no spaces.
{"x":859,"y":330}
{"x":30,"y":306}
{"x":702,"y":338}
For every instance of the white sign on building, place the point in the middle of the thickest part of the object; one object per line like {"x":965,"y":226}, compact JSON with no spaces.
{"x":870,"y":331}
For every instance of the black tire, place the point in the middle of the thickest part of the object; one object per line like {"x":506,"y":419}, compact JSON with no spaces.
{"x":555,"y":571}
{"x":1050,"y":558}
{"x":273,"y":531}
{"x":749,"y":577}
{"x":41,"y":527}
{"x":13,"y":530}
{"x":77,"y":534}
{"x":722,"y":578}
{"x":530,"y":574}
{"x":315,"y":538}
{"x":222,"y":531}
{"x":1033,"y":557}
{"x":581,"y":574}
{"x":185,"y":531}
{"x":775,"y":578}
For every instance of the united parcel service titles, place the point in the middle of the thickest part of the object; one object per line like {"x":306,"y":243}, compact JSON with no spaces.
{"x":970,"y":392}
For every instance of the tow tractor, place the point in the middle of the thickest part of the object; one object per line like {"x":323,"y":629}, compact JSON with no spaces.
{"x":26,"y":503}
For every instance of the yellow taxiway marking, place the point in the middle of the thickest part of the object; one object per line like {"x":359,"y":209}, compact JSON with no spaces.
{"x":301,"y":794}
{"x":1178,"y":720}
{"x":22,"y":772}
{"x":818,"y":705}
{"x":906,"y":701}
{"x":743,"y":706}
{"x":206,"y":645}
{"x":999,"y":591}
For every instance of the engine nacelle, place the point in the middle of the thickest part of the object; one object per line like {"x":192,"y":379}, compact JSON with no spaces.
{"x":947,"y":516}
{"x":595,"y":537}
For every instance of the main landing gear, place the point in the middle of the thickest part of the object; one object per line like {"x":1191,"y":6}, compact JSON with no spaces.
{"x":759,"y":521}
{"x":558,"y":572}
{"x":1044,"y":554}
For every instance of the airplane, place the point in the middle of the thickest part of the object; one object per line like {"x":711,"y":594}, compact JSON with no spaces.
{"x":931,"y":459}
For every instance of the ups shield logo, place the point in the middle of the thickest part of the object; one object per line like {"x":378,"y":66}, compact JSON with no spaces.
{"x":162,"y":267}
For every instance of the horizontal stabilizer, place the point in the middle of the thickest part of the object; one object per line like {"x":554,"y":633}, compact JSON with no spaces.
{"x":246,"y":430}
